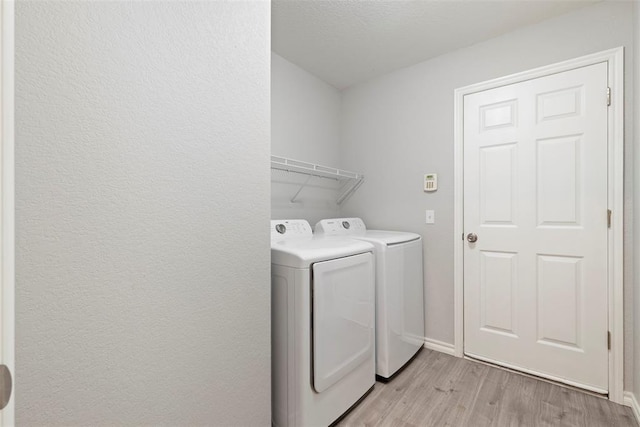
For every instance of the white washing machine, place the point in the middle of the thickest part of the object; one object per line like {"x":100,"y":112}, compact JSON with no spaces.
{"x":399,"y":291}
{"x":322,"y":324}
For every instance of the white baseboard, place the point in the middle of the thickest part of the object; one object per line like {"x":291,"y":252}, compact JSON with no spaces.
{"x":443,"y":347}
{"x":631,"y":401}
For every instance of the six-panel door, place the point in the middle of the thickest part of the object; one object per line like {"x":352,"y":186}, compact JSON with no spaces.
{"x":535,"y":193}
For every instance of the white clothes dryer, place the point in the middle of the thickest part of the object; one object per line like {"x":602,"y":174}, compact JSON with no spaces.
{"x":399,"y":291}
{"x":322,"y":324}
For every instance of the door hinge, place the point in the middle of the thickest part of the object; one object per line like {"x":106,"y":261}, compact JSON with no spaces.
{"x":6,"y":386}
{"x":463,"y":236}
{"x":608,"y":218}
{"x":608,"y":340}
{"x":608,"y":96}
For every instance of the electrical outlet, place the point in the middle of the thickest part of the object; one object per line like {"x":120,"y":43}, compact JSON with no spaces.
{"x":430,"y":217}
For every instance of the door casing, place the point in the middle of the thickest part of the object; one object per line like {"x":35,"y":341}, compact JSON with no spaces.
{"x":7,"y":202}
{"x":615,"y":63}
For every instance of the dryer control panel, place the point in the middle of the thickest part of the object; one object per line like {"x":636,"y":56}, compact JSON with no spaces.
{"x":290,"y":229}
{"x":341,"y":227}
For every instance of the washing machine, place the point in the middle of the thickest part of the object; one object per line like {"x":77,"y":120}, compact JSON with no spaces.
{"x":322,"y":324}
{"x":399,"y":291}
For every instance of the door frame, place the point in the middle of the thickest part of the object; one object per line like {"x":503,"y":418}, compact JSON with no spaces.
{"x":7,"y":200}
{"x":615,"y":69}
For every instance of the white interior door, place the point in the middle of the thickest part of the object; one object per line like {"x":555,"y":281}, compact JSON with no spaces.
{"x":535,"y":195}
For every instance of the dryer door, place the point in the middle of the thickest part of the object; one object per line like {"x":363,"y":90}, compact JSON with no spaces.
{"x":343,"y":317}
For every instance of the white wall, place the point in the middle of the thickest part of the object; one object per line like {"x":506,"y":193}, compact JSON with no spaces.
{"x":400,"y":126}
{"x":305,"y":125}
{"x":142,"y":187}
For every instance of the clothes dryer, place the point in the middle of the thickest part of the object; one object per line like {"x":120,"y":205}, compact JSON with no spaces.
{"x":322,"y":324}
{"x":399,"y":290}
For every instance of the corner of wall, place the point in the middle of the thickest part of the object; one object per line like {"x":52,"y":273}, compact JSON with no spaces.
{"x":305,"y":126}
{"x":631,"y":401}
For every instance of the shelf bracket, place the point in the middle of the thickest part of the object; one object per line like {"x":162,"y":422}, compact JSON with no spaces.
{"x":293,"y":199}
{"x":350,"y":190}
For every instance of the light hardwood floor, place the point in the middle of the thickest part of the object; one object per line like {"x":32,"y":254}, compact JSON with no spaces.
{"x":441,"y":390}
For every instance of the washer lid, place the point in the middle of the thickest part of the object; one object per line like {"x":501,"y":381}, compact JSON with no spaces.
{"x":388,"y":237}
{"x":355,"y":228}
{"x":302,"y":252}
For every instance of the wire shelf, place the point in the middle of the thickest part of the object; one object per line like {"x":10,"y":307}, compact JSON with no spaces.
{"x":351,"y":180}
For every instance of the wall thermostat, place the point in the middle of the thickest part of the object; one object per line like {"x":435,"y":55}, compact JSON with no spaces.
{"x":431,"y":182}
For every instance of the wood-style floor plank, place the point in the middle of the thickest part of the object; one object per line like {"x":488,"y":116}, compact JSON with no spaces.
{"x":441,"y":390}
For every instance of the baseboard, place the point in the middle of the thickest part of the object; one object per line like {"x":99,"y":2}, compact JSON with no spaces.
{"x":631,"y":401}
{"x":443,"y":347}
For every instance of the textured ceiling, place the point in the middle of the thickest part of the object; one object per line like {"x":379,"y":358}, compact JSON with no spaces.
{"x":344,"y":42}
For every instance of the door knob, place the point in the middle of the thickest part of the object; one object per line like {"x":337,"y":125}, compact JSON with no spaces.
{"x":472,"y":237}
